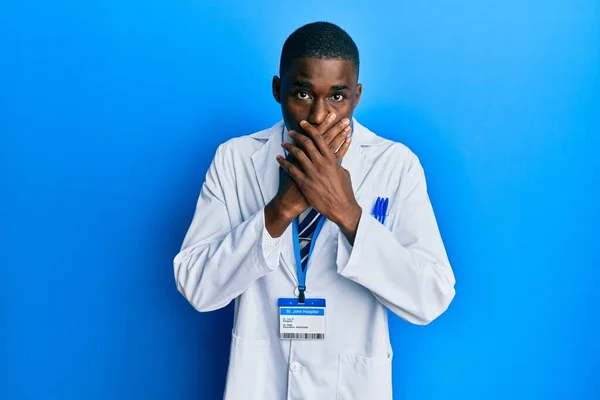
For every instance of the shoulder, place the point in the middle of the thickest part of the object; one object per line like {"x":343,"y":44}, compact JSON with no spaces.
{"x":245,"y":145}
{"x":379,"y":149}
{"x":395,"y":160}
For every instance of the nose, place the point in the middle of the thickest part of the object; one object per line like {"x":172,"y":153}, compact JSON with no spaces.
{"x":318,"y":112}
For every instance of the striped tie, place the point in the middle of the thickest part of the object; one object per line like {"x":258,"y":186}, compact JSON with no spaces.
{"x":307,"y":222}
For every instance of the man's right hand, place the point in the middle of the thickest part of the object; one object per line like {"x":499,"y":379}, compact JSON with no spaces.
{"x":289,"y":201}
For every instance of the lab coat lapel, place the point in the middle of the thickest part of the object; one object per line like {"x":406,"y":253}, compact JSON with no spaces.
{"x":265,"y":165}
{"x":266,"y":169}
{"x":358,"y":165}
{"x":355,"y":160}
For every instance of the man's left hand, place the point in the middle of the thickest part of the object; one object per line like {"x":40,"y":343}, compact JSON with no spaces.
{"x":326,"y":185}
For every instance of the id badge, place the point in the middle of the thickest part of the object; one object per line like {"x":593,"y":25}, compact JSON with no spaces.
{"x":301,"y":321}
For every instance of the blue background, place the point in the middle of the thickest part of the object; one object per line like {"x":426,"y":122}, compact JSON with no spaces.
{"x":110,"y":113}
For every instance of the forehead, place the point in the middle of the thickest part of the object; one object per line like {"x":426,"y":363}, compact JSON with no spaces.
{"x":322,"y":71}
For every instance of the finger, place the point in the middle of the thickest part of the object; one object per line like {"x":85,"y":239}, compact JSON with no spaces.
{"x":339,"y":139}
{"x":299,"y":155}
{"x":317,"y":140}
{"x":307,"y":143}
{"x":336,"y":130}
{"x":290,"y":156}
{"x":343,"y":149}
{"x":291,"y":170}
{"x":327,"y":123}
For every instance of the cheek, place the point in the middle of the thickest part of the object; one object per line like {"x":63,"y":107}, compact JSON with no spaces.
{"x":344,"y":109}
{"x":296,"y":110}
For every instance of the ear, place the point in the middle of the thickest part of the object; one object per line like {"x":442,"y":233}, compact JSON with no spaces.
{"x":358,"y":93}
{"x":277,"y":89}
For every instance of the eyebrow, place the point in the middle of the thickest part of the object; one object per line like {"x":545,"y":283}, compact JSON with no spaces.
{"x":305,"y":84}
{"x":339,"y":87}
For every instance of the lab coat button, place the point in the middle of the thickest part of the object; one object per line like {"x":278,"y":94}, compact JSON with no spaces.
{"x":294,"y":366}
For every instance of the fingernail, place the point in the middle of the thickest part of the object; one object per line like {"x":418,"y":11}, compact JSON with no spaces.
{"x":303,"y":123}
{"x":348,"y":140}
{"x":331,"y":117}
{"x":345,"y":121}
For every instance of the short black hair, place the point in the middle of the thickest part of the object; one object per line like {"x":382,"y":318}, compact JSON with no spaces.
{"x":319,"y":40}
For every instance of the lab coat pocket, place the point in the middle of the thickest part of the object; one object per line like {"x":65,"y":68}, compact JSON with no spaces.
{"x":249,"y":367}
{"x":362,"y":377}
{"x":389,"y":219}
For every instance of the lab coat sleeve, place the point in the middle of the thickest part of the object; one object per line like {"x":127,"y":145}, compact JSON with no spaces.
{"x":218,"y":261}
{"x":404,"y":265}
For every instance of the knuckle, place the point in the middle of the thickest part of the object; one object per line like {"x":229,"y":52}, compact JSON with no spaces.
{"x":305,"y":142}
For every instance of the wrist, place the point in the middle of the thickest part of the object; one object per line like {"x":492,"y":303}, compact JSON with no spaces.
{"x":277,"y":212}
{"x":284,"y":210}
{"x":349,"y":219}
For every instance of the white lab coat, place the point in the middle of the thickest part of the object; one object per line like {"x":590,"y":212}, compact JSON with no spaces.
{"x":401,"y":266}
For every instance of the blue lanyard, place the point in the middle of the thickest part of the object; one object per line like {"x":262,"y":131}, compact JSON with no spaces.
{"x":302,"y":272}
{"x":296,"y":240}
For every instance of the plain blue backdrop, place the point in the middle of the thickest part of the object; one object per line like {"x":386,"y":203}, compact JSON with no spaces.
{"x":110,"y":113}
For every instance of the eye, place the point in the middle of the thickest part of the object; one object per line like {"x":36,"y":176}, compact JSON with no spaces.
{"x":338,"y":97}
{"x":302,"y":95}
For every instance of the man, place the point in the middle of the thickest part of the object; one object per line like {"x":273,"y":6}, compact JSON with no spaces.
{"x":253,"y":238}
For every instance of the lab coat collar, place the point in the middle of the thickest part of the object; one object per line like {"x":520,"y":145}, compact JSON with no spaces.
{"x":267,"y":173}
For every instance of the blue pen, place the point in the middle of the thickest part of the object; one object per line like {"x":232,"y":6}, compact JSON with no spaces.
{"x":380,"y":209}
{"x":385,"y":207}
{"x":376,"y":208}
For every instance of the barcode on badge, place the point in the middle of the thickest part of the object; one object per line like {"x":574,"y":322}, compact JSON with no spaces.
{"x":306,"y":336}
